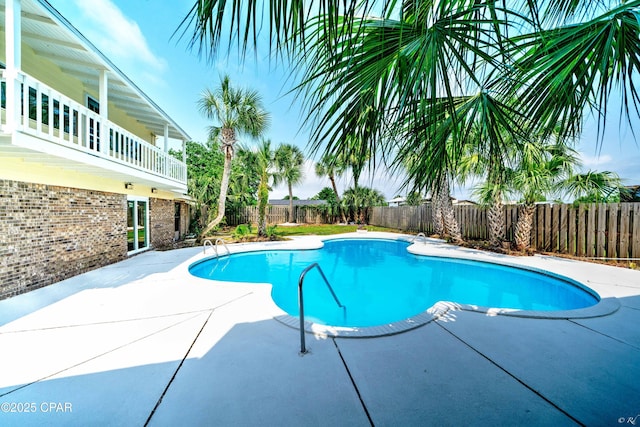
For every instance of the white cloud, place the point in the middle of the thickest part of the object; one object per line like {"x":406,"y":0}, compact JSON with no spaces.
{"x":381,"y":180}
{"x":118,"y":36}
{"x":595,"y":161}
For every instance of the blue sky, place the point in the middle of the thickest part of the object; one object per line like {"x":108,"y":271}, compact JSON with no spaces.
{"x":136,"y":36}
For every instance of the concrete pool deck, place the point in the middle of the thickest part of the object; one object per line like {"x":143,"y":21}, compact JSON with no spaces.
{"x":143,"y":342}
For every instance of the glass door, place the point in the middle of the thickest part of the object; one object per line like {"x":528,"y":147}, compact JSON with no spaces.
{"x":142,"y":225}
{"x":131,"y":225}
{"x":137,"y":220}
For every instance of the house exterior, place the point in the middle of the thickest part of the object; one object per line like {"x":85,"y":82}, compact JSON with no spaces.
{"x":85,"y":174}
{"x":305,"y":202}
{"x":632,"y":195}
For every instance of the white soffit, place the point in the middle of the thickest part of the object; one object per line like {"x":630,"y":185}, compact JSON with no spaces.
{"x":52,"y":37}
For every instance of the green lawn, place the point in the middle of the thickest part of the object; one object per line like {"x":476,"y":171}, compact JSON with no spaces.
{"x":325,"y":229}
{"x":301,"y":230}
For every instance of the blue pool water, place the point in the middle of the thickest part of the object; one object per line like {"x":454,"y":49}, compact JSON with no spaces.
{"x":379,"y":282}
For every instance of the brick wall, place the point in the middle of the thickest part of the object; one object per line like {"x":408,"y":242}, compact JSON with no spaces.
{"x":185,"y":218}
{"x":50,"y":233}
{"x":161,"y":219}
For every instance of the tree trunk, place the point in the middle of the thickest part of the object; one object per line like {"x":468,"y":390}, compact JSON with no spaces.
{"x":335,"y":191}
{"x":263,"y":200}
{"x":495,"y":218}
{"x":451,"y":226}
{"x":445,"y":222}
{"x":523,"y":227}
{"x":291,"y":217}
{"x":228,"y":139}
{"x":438,"y":224}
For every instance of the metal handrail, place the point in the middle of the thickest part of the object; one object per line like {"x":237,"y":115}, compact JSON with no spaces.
{"x":420,"y":235}
{"x":214,"y":246}
{"x":220,"y":240}
{"x":204,"y":246}
{"x":303,"y":348}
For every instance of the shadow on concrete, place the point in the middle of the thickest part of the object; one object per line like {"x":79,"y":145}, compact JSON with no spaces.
{"x":252,"y":375}
{"x":112,"y":276}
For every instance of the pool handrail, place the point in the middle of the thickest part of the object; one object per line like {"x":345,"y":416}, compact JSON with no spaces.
{"x":220,"y":240}
{"x":303,"y":348}
{"x":421,"y":234}
{"x":204,"y":245}
{"x":214,"y":246}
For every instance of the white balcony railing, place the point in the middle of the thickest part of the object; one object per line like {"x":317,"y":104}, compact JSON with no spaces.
{"x":56,"y":118}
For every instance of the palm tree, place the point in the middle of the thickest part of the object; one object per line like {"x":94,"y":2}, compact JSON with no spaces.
{"x":559,"y":60}
{"x":236,"y":111}
{"x":540,"y":170}
{"x":444,"y":219}
{"x":593,"y":185}
{"x":289,"y":162}
{"x":245,"y":178}
{"x":330,"y":166}
{"x":358,"y":201}
{"x":266,"y":160}
{"x":481,"y":134}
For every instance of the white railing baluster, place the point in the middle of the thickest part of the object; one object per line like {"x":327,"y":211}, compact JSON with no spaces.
{"x":38,"y":108}
{"x":109,"y":140}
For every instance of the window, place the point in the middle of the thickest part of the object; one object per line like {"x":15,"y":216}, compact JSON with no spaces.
{"x":93,"y":105}
{"x":94,"y":126}
{"x":176,"y":217}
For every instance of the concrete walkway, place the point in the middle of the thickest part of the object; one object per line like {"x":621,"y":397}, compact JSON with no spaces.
{"x":143,"y":342}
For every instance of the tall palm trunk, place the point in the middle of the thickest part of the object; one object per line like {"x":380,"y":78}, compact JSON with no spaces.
{"x":495,"y":219}
{"x":451,"y":226}
{"x":437,"y":218}
{"x":524,"y":226}
{"x":291,"y":216}
{"x":263,"y":200}
{"x":335,"y":191}
{"x":445,"y":222}
{"x":228,"y":140}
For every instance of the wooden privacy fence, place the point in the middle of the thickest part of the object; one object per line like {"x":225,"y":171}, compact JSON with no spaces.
{"x":589,"y":230}
{"x":274,"y":215}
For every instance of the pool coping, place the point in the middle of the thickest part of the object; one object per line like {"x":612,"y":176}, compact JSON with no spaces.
{"x":607,"y":304}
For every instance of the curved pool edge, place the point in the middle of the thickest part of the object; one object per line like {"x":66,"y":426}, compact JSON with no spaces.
{"x":323,"y":331}
{"x":607,"y":304}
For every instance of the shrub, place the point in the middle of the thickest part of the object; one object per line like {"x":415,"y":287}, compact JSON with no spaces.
{"x":272,"y":233}
{"x":242,"y":232}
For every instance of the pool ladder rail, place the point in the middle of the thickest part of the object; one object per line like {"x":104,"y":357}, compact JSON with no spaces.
{"x":303,"y":348}
{"x":424,"y":238}
{"x":214,"y":246}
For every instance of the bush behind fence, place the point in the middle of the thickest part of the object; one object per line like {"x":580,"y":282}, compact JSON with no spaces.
{"x":275,"y":215}
{"x":589,"y":230}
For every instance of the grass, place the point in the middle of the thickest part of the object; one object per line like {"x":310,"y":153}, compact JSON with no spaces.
{"x":326,"y":229}
{"x":301,"y":230}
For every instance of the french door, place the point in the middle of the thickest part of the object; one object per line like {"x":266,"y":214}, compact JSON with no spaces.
{"x":137,"y":223}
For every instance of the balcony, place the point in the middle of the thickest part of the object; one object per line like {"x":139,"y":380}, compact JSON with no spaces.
{"x":69,"y":130}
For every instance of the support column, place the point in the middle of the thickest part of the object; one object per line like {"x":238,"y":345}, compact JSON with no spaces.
{"x":184,"y":158}
{"x":103,"y":95}
{"x":13,"y":59}
{"x":103,"y":92}
{"x":166,"y":138}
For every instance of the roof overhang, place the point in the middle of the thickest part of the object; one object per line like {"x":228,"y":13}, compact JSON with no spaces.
{"x":52,"y":37}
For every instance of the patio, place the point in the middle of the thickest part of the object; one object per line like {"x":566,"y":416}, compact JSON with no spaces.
{"x":143,"y":342}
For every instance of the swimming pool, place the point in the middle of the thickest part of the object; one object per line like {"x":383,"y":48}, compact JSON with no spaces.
{"x":380,"y":282}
